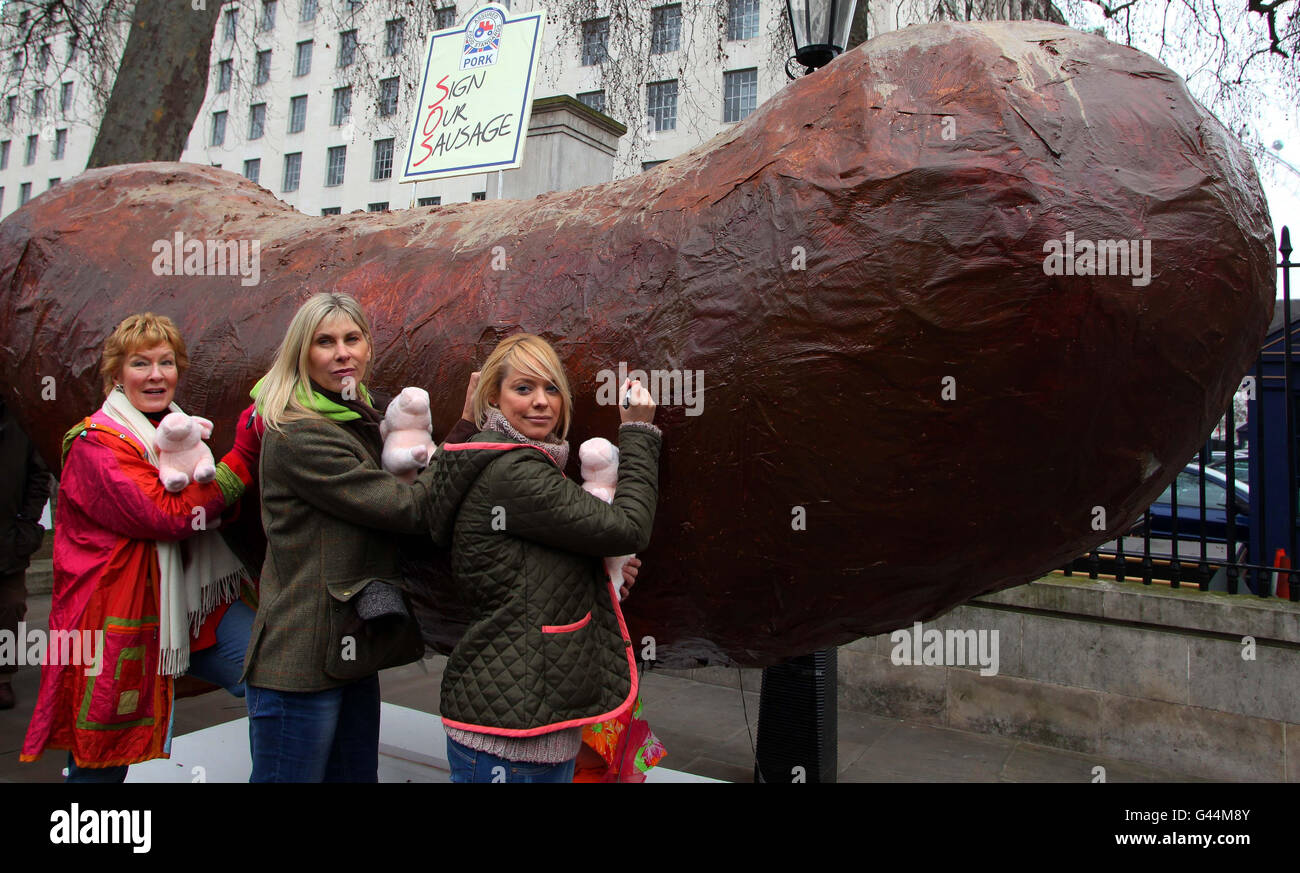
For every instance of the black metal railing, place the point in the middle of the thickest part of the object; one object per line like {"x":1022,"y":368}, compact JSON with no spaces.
{"x":1251,"y":551}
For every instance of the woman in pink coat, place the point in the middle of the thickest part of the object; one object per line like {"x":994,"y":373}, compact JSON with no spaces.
{"x":145,"y":590}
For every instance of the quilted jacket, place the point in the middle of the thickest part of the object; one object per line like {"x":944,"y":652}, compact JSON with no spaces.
{"x":549,"y":648}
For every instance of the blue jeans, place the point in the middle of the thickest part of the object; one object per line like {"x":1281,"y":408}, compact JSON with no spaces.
{"x":221,"y":664}
{"x":315,"y":736}
{"x":470,"y":765}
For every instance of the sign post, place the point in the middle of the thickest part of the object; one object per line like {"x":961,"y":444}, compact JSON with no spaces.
{"x":476,"y":96}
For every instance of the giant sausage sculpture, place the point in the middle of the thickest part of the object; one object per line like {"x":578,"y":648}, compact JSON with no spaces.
{"x":944,"y":304}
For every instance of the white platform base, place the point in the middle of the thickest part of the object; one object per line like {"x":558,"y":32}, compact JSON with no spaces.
{"x":412,"y":748}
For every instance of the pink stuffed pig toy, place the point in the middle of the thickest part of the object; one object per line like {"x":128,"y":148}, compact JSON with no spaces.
{"x":182,"y":454}
{"x":599,"y":458}
{"x":407,"y":431}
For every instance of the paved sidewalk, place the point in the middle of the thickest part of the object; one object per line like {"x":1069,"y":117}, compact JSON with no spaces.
{"x":706,"y":729}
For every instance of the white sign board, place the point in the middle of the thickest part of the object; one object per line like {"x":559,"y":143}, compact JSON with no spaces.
{"x":476,"y":96}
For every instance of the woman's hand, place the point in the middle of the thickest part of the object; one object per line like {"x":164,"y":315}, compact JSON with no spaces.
{"x":630,"y":569}
{"x":635,"y":403}
{"x":468,"y":412}
{"x":248,"y":437}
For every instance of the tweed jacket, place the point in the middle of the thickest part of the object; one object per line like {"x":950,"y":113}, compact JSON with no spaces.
{"x":329,"y":511}
{"x":548,"y":648}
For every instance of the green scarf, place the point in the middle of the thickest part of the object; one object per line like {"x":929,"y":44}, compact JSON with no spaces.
{"x":321,"y":404}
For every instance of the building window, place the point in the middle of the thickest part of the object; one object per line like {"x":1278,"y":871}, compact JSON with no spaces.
{"x":43,"y":56}
{"x":60,"y":143}
{"x":394,"y":33}
{"x":645,"y":165}
{"x":331,"y":210}
{"x":302,"y":63}
{"x":382,"y":206}
{"x":742,"y":19}
{"x":595,"y":40}
{"x":253,"y":170}
{"x":423,"y":201}
{"x":232,"y":24}
{"x":661,"y":104}
{"x":347,"y":47}
{"x":15,"y":62}
{"x":297,"y":113}
{"x":739,"y":94}
{"x":388,"y":97}
{"x":24,"y":193}
{"x":292,"y":171}
{"x":267,"y":21}
{"x":65,"y":98}
{"x":225,"y":74}
{"x":665,"y":29}
{"x":11,"y":109}
{"x":594,"y":99}
{"x":218,"y":128}
{"x":383,"y":160}
{"x":477,"y":196}
{"x":56,"y":180}
{"x":38,"y":102}
{"x":256,"y":120}
{"x":342,"y":106}
{"x":308,"y":10}
{"x":445,"y":17}
{"x":4,"y":155}
{"x":262,"y":74}
{"x":30,"y":157}
{"x":335,"y":162}
{"x":72,"y":47}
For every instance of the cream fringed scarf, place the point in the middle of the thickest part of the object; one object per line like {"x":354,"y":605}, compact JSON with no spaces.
{"x":195,"y":576}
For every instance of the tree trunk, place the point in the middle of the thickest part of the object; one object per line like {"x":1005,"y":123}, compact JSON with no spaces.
{"x":164,"y":71}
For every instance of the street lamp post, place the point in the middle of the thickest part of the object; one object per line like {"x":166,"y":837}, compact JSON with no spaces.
{"x":821,"y":31}
{"x":798,"y":717}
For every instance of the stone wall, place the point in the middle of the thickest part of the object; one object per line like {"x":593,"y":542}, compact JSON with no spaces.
{"x":1120,"y":670}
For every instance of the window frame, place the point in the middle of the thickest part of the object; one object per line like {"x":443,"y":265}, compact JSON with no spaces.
{"x":302,"y":59}
{"x":294,"y":115}
{"x":330,"y":153}
{"x":297,"y":174}
{"x":664,"y":38}
{"x":378,"y":172}
{"x":256,"y":121}
{"x":599,"y":29}
{"x":341,"y":108}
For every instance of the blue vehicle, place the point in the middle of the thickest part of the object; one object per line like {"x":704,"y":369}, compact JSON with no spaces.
{"x":1189,"y":509}
{"x":1189,"y":528}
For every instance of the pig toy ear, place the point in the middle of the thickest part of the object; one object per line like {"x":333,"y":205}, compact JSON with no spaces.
{"x":205,"y":427}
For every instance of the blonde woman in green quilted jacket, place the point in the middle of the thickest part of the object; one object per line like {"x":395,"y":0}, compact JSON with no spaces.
{"x":548,"y":650}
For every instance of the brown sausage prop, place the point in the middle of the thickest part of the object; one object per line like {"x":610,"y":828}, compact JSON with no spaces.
{"x":953,"y":301}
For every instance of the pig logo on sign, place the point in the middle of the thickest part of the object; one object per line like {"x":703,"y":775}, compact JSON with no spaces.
{"x":482,"y":39}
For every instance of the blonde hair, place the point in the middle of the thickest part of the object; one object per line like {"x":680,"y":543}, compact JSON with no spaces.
{"x":523,"y":353}
{"x":144,"y":330}
{"x":277,"y":399}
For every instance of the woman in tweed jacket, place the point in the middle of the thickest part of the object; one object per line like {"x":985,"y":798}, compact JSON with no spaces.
{"x":329,"y":510}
